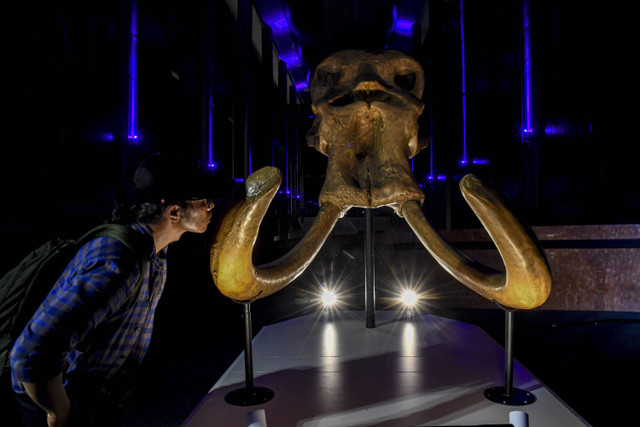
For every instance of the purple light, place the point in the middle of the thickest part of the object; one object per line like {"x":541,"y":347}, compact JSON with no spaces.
{"x":554,"y":129}
{"x":212,"y":165}
{"x":280,"y":26}
{"x":480,"y":161}
{"x":464,"y":89}
{"x":277,"y":21}
{"x":527,"y":125}
{"x":292,"y":60}
{"x":441,"y":177}
{"x":301,"y":86}
{"x":132,"y":123}
{"x":404,"y":26}
{"x":431,"y":168}
{"x":250,"y":157}
{"x":238,"y":180}
{"x":107,"y":137}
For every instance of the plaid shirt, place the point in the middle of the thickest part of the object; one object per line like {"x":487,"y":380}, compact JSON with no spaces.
{"x":88,"y":323}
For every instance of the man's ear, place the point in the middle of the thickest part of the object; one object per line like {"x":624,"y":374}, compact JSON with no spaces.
{"x":173,"y":212}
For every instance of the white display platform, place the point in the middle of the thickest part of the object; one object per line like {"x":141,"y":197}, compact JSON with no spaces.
{"x":333,"y":371}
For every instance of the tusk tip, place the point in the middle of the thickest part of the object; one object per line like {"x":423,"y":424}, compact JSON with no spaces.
{"x":470,"y":181}
{"x":263,"y":180}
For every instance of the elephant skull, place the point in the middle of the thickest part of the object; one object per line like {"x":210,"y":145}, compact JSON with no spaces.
{"x":367,"y":107}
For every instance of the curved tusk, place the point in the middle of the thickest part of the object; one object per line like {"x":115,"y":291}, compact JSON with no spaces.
{"x":231,"y":255}
{"x":526,"y":284}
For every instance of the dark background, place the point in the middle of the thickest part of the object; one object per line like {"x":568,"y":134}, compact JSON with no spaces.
{"x":65,"y":157}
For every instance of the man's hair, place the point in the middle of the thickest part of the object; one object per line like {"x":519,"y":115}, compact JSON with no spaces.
{"x":144,"y":212}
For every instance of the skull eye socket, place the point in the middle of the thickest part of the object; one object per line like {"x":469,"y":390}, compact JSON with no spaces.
{"x":328,"y":78}
{"x":406,"y":81}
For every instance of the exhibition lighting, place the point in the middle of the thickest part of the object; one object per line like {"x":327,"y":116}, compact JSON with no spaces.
{"x":480,"y":161}
{"x":132,"y":117}
{"x":409,"y":298}
{"x":527,"y":125}
{"x":210,"y":164}
{"x":464,"y":89}
{"x":404,"y":26}
{"x":292,"y":60}
{"x":329,"y":298}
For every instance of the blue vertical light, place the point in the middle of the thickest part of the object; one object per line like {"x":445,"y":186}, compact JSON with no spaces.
{"x":463,"y":161}
{"x":132,"y":117}
{"x":211,"y":164}
{"x":250,"y":158}
{"x":431,"y":158}
{"x":286,"y":162}
{"x":527,"y":119}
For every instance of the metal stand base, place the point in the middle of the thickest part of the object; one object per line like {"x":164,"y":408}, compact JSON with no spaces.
{"x":249,"y":396}
{"x":508,"y":395}
{"x":517,"y":397}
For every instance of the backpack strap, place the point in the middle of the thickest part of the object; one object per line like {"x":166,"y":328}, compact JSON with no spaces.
{"x":138,"y":244}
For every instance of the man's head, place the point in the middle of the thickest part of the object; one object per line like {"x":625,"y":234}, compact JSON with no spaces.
{"x":172,"y":177}
{"x":174,"y":184}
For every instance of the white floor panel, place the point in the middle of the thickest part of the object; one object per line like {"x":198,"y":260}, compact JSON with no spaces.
{"x":333,"y":371}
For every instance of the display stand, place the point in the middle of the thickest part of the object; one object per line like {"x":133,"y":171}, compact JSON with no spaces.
{"x":508,"y":395}
{"x":249,"y":395}
{"x":369,"y":272}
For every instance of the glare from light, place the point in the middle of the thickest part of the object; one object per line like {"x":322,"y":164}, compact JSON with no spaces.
{"x":328,"y":297}
{"x":409,"y":298}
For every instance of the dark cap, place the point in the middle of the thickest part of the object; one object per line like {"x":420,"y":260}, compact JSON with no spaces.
{"x":177,"y":177}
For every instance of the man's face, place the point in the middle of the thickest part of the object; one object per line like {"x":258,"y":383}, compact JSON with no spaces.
{"x":197,"y":215}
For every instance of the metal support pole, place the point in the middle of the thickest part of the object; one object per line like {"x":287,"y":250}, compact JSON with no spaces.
{"x":508,"y":395}
{"x":369,"y":272}
{"x":508,"y":354}
{"x":249,"y":395}
{"x":248,"y":347}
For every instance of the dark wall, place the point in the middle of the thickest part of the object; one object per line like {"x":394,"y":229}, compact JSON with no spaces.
{"x":65,"y":157}
{"x":577,"y":166}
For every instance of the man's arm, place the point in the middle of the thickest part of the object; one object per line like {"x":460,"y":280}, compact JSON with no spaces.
{"x":52,"y":397}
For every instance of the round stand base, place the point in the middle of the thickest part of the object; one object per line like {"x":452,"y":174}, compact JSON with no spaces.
{"x":518,"y":397}
{"x":249,"y":396}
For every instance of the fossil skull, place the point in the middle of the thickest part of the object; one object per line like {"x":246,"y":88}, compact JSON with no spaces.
{"x":367,"y":107}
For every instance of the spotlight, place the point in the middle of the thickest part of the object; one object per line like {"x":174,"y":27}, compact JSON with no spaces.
{"x":328,"y":298}
{"x":409,"y":298}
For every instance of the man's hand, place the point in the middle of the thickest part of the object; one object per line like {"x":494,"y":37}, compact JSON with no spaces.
{"x":52,"y":397}
{"x":58,"y":420}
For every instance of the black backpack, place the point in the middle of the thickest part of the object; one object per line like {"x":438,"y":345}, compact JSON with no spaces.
{"x":24,"y":287}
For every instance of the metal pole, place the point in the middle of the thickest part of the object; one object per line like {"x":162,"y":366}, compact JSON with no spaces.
{"x":508,"y":395}
{"x":248,"y":395}
{"x":369,"y":273}
{"x":248,"y":353}
{"x":508,"y":355}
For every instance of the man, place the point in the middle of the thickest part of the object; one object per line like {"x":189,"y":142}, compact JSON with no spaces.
{"x":77,"y":357}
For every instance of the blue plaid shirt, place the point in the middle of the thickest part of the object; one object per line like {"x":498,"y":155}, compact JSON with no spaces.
{"x":89,"y":323}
